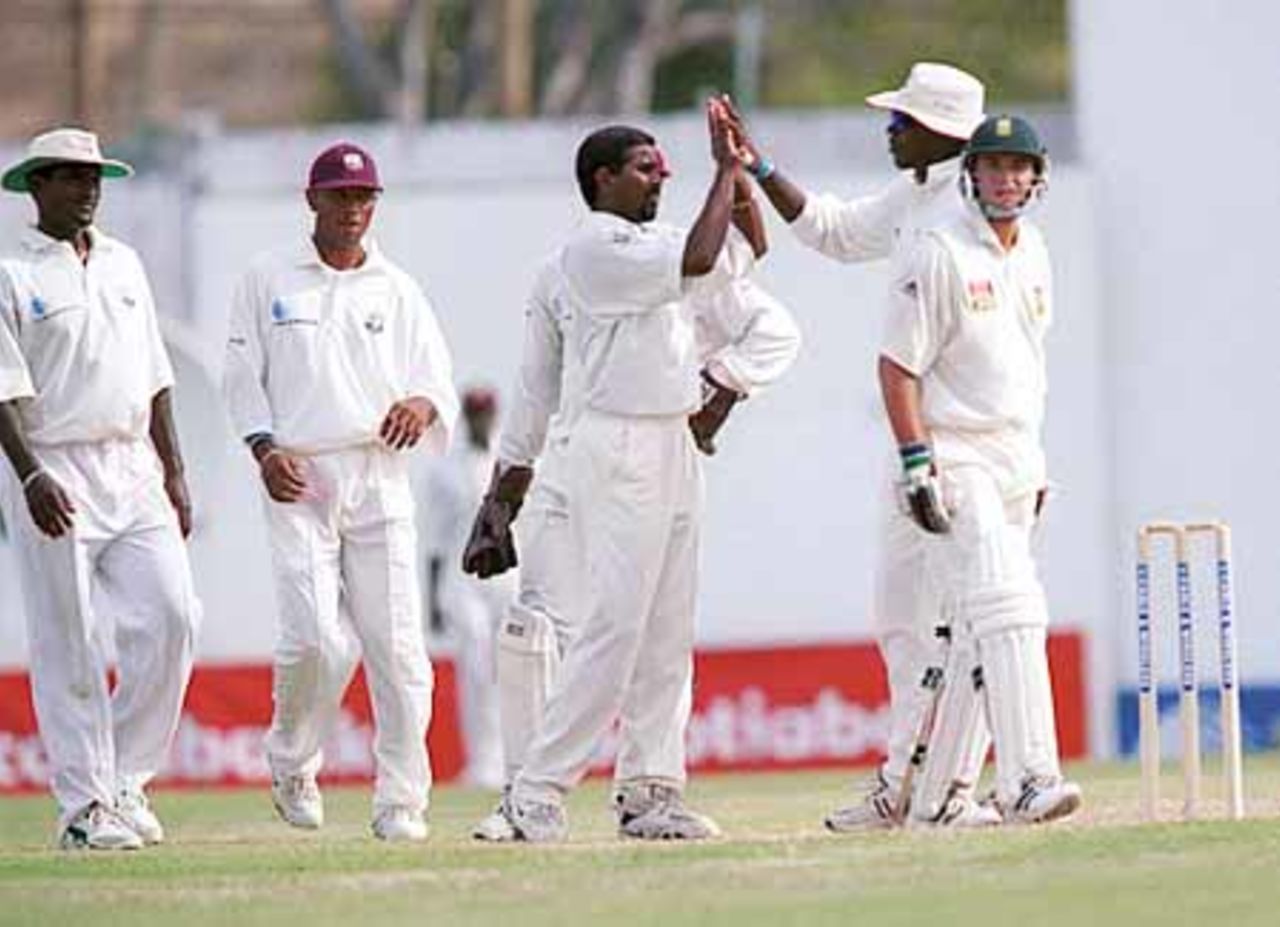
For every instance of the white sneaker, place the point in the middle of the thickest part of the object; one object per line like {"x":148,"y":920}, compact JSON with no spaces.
{"x":536,"y":821}
{"x":399,"y":824}
{"x":298,"y":802}
{"x":961,"y":810}
{"x":877,"y":810}
{"x":98,"y":827}
{"x":656,"y":811}
{"x":135,"y":810}
{"x":496,"y":827}
{"x":1044,"y":800}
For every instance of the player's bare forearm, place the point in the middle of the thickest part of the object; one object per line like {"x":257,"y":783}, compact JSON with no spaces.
{"x":787,"y":199}
{"x":900,"y":391}
{"x":14,"y":440}
{"x":746,"y":215}
{"x":707,"y":236}
{"x":163,"y":433}
{"x":165,"y":438}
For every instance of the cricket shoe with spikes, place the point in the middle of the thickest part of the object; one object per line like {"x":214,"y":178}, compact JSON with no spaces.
{"x":398,"y":824}
{"x":536,"y":820}
{"x":876,"y":810}
{"x":496,"y":827}
{"x":298,"y":802}
{"x":656,"y":811}
{"x":134,"y":809}
{"x":98,"y":827}
{"x":1044,"y":799}
{"x":961,"y":811}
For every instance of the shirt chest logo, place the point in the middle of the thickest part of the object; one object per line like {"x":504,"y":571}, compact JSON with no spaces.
{"x":374,"y":323}
{"x":39,"y":309}
{"x":282,"y":314}
{"x":1039,"y":303}
{"x":982,"y":296}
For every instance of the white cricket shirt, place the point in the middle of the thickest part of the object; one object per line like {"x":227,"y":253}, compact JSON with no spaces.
{"x":633,"y":334}
{"x":317,"y":356}
{"x":969,"y":319}
{"x":746,"y":336}
{"x":80,"y":344}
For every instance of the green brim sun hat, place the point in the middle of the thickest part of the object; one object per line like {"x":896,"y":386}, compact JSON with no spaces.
{"x":61,"y":146}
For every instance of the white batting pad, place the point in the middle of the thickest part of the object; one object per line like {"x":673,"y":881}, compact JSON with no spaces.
{"x":959,"y":734}
{"x":527,"y":661}
{"x":1015,"y":670}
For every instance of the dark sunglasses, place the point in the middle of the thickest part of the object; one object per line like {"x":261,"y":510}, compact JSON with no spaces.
{"x":899,"y":121}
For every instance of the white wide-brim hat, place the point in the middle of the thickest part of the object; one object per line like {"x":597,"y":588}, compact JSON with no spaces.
{"x":939,"y":97}
{"x":61,"y":146}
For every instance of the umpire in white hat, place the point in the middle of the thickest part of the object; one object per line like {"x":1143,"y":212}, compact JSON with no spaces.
{"x":97,"y":500}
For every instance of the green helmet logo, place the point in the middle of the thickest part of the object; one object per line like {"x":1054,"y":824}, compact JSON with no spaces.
{"x":1005,"y":135}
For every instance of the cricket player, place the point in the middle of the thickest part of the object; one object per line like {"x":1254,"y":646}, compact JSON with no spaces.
{"x":98,"y":507}
{"x":962,"y":374}
{"x":335,"y":369}
{"x":745,"y":339}
{"x":471,"y":610}
{"x":621,"y":290}
{"x":931,"y":117}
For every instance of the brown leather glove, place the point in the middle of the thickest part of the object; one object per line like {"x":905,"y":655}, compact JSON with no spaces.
{"x":491,"y":549}
{"x":717,"y":402}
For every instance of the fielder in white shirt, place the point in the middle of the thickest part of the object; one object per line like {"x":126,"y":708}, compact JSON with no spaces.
{"x":99,"y":507}
{"x":931,"y":117}
{"x":468,"y":609}
{"x":633,"y":480}
{"x":335,"y":368}
{"x":745,"y":340}
{"x":962,"y":372}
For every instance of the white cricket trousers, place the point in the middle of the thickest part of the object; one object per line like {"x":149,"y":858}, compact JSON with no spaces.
{"x":346,"y":574}
{"x":635,"y":498}
{"x":124,"y":564}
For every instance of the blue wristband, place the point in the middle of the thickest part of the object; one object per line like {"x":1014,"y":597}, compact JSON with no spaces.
{"x":763,"y":169}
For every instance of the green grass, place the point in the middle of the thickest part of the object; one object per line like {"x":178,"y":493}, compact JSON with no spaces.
{"x":228,"y":861}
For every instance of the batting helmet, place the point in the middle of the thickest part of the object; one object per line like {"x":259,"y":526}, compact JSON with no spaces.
{"x":1006,"y":135}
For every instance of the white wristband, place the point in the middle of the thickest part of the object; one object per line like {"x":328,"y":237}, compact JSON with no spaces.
{"x":31,"y":477}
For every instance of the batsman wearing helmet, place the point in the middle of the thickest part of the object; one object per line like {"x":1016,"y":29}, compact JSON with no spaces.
{"x":962,"y":374}
{"x":930,"y":118}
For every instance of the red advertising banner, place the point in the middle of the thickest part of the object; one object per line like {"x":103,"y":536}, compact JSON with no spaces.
{"x":756,"y":708}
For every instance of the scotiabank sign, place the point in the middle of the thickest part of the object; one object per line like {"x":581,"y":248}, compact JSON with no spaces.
{"x":760,"y":708}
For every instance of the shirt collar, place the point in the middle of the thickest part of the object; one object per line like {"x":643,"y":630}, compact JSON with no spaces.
{"x":38,"y":242}
{"x":982,"y":229}
{"x":307,"y":256}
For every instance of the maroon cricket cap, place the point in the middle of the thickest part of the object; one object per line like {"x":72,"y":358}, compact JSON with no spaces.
{"x":343,"y":165}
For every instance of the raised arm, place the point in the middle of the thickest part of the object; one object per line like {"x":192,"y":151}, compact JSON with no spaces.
{"x":706,"y":236}
{"x":788,"y":199}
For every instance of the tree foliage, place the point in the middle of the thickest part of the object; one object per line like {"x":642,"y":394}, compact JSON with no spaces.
{"x":476,"y":58}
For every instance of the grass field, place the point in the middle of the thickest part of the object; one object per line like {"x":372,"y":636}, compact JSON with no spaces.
{"x":228,"y":861}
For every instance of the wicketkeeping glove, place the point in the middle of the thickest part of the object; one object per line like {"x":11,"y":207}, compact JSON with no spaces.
{"x":717,"y":402}
{"x":921,"y":490}
{"x":491,"y":549}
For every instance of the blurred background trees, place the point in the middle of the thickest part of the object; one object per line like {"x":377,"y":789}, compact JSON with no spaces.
{"x":133,"y":65}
